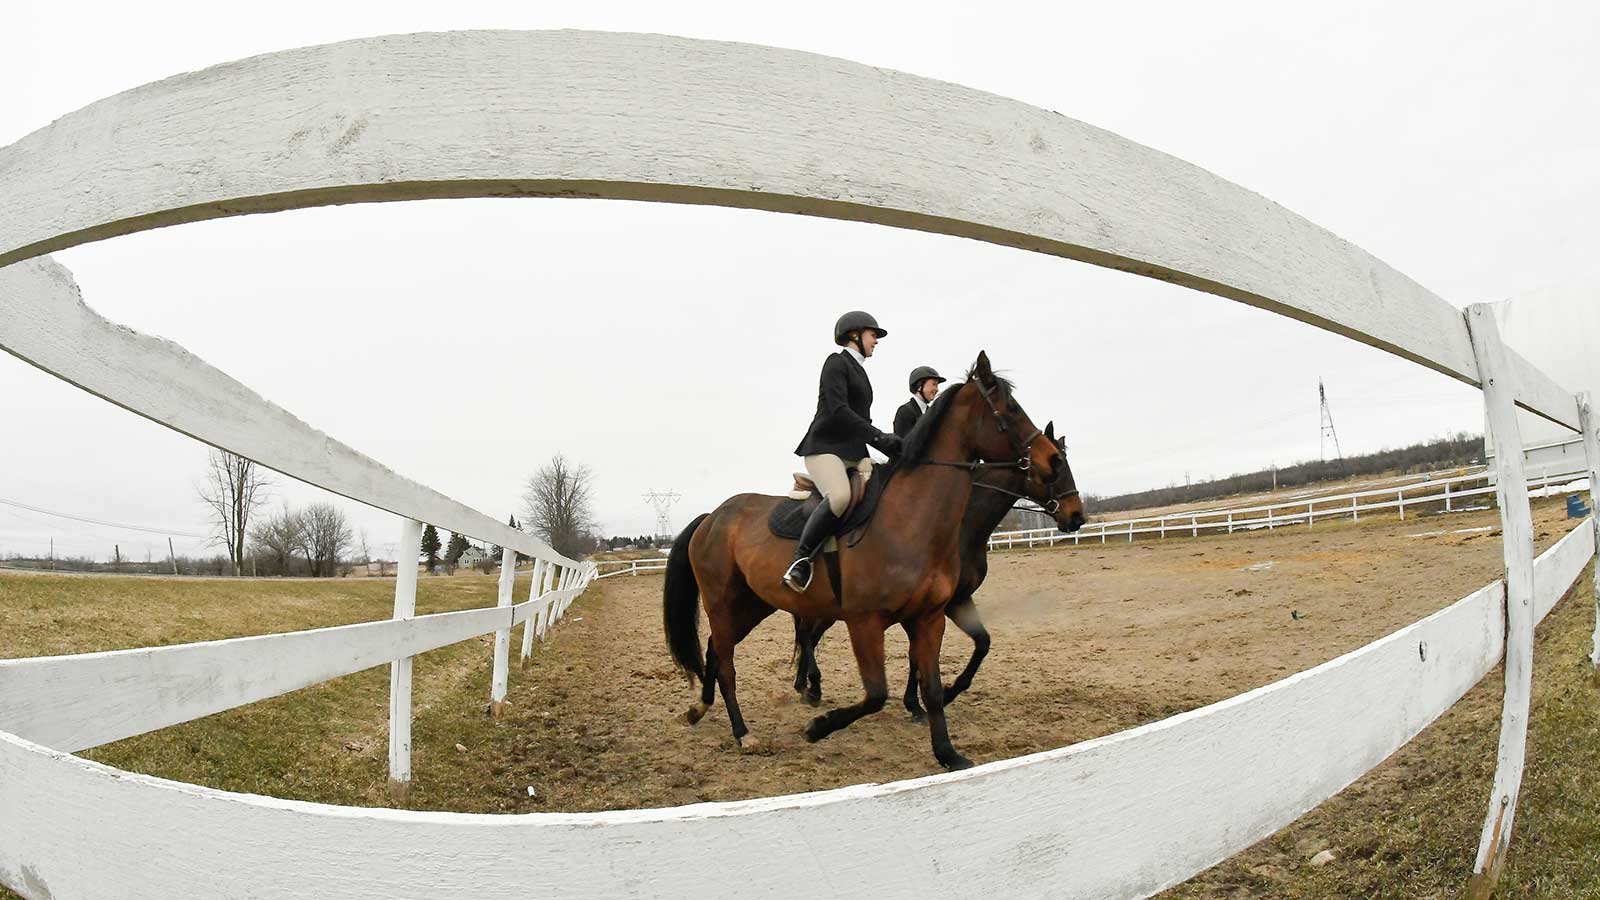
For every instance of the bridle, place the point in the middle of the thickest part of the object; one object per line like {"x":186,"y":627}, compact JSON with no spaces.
{"x":1021,"y":463}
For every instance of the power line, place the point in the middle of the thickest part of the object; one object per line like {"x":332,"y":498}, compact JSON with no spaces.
{"x":93,"y":521}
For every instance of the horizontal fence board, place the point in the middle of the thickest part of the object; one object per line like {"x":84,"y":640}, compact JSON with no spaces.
{"x":1559,"y":566}
{"x":84,"y":700}
{"x":1290,"y":512}
{"x":1073,"y":822}
{"x":44,"y":321}
{"x":650,"y":117}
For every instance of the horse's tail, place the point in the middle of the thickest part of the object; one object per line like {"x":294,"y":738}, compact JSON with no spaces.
{"x":680,"y":605}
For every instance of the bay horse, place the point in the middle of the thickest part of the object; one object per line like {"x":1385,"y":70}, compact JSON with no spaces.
{"x":904,"y":570}
{"x":993,"y":497}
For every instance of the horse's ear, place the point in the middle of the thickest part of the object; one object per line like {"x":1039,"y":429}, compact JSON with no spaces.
{"x":981,"y":368}
{"x":1050,"y":431}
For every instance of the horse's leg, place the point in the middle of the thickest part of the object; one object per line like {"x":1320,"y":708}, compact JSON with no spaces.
{"x":866,"y":639}
{"x":813,"y":694}
{"x":964,"y":613}
{"x":912,"y":706}
{"x":738,"y":618}
{"x":807,"y":633}
{"x":708,"y":688}
{"x":802,"y":634}
{"x":927,"y":633}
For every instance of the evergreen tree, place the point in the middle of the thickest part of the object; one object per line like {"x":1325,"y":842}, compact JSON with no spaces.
{"x":458,"y":546}
{"x":430,"y":547}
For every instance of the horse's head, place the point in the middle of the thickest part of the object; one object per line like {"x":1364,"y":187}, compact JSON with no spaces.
{"x":1004,"y":432}
{"x":1058,"y":496}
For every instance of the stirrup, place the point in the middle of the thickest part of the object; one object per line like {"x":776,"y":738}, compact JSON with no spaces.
{"x":789,"y":579}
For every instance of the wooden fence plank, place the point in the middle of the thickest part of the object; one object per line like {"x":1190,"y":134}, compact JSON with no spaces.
{"x":44,"y":320}
{"x":1516,"y":524}
{"x":84,"y":700}
{"x":630,"y":116}
{"x":501,"y":664}
{"x":405,"y":607}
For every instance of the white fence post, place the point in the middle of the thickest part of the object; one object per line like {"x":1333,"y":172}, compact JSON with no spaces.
{"x":1194,"y":526}
{"x":1311,"y":515}
{"x":1230,"y":523}
{"x":502,"y":637}
{"x":1355,"y":510}
{"x":1401,"y":496}
{"x":1447,"y":497}
{"x":1269,"y":518}
{"x":1591,"y":452}
{"x":529,"y":623}
{"x":405,"y":607}
{"x":552,"y":578}
{"x":1516,"y":526}
{"x":1163,"y":527}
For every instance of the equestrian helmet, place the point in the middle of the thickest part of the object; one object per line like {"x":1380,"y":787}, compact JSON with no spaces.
{"x":855,"y":320}
{"x":923,"y":372}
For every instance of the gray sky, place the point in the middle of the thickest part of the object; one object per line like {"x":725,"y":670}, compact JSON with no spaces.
{"x":672,"y":347}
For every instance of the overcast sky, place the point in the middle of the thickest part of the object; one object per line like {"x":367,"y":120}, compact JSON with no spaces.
{"x":463,"y":342}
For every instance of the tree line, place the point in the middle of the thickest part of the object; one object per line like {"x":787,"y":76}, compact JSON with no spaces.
{"x":316,"y":540}
{"x":1457,"y":449}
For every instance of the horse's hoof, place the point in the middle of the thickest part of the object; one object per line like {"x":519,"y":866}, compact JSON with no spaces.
{"x":695,"y":713}
{"x":749,"y":744}
{"x":817,"y":730}
{"x":814,"y":699}
{"x":956,"y":762}
{"x":918,"y":715}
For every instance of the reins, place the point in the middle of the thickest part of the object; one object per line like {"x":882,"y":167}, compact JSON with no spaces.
{"x":1020,"y":464}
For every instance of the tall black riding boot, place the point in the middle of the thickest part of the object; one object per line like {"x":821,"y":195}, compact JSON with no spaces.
{"x":818,"y":529}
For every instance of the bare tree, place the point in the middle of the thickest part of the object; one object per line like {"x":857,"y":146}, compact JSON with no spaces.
{"x":559,"y":505}
{"x":278,"y":538}
{"x":233,"y":488}
{"x":324,"y":537}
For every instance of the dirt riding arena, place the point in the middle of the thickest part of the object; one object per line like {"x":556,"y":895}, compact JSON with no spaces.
{"x":1087,"y":641}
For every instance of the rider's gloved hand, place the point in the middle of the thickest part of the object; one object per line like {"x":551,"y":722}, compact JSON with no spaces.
{"x":889,"y":444}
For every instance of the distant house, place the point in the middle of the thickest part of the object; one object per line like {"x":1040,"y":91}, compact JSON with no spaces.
{"x":471,"y":557}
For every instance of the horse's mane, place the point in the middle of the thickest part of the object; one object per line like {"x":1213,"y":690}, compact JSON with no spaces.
{"x":914,"y":450}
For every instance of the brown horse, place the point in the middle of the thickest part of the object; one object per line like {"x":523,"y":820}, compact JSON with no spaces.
{"x":993,"y":497}
{"x":904,"y":570}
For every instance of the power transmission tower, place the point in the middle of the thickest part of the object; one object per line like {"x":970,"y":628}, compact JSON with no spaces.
{"x":1328,"y":434}
{"x":662,"y":501}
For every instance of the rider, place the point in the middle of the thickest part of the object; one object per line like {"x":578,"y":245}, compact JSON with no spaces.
{"x":838,"y":436}
{"x":924,"y":387}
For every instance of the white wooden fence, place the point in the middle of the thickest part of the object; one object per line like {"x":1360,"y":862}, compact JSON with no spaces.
{"x":646,"y":117}
{"x":1450,"y":492}
{"x":632,"y":566}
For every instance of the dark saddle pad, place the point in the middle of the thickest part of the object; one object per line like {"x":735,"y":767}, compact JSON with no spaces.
{"x":789,"y":516}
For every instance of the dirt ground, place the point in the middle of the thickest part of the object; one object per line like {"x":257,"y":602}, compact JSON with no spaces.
{"x":1087,"y":641}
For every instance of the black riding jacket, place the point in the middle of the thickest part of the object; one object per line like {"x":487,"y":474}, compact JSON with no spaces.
{"x":905,"y":418}
{"x":843,"y":423}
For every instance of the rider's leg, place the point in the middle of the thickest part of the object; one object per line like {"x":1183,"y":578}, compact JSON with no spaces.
{"x":828,"y":473}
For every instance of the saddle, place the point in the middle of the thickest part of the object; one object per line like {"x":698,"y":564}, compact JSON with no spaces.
{"x":790,"y":515}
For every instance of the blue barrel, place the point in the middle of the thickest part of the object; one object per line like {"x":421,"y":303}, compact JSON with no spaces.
{"x":1575,"y":507}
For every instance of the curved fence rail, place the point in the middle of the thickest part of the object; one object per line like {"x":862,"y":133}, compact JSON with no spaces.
{"x":649,"y":117}
{"x":1449,"y":493}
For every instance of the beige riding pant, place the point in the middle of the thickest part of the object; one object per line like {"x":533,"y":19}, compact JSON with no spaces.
{"x":832,"y":477}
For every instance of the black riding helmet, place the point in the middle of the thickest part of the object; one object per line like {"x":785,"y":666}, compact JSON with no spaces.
{"x":855,"y":320}
{"x":920,"y":373}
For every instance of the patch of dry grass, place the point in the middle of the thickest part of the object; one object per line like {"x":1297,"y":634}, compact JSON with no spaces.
{"x":1409,"y":828}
